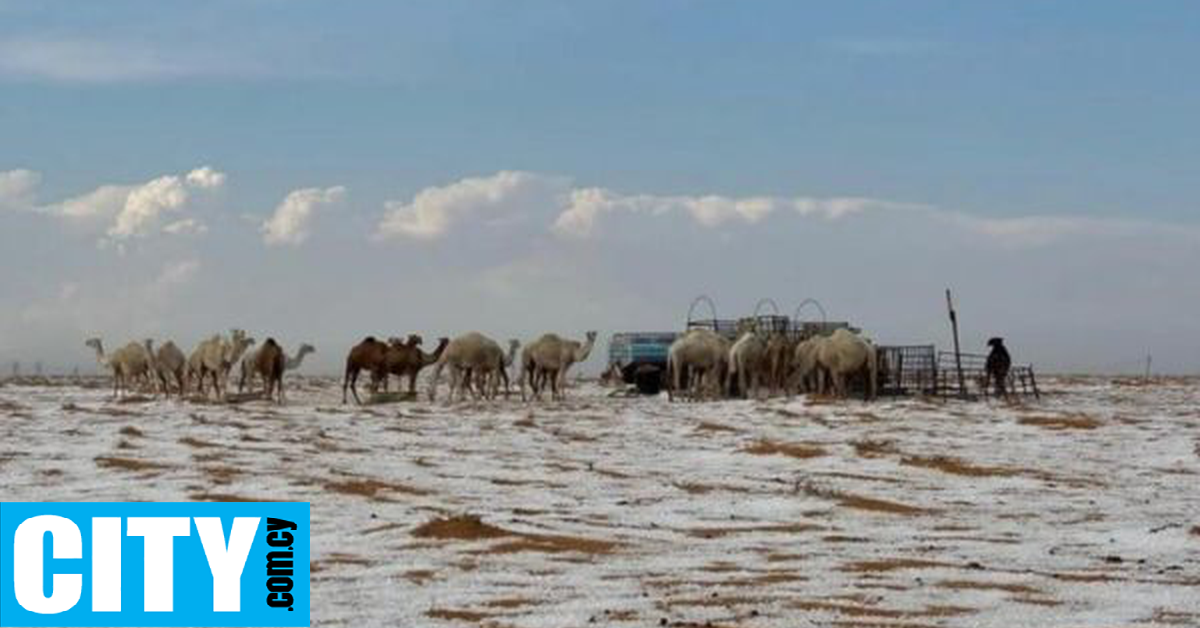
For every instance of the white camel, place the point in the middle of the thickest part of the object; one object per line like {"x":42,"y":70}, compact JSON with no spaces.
{"x":748,"y":363}
{"x":127,"y":363}
{"x":215,"y":357}
{"x":702,"y":356}
{"x":469,"y":353}
{"x":845,"y":354}
{"x":807,"y":375}
{"x":249,"y":369}
{"x":168,"y":362}
{"x":488,"y":381}
{"x":550,"y":357}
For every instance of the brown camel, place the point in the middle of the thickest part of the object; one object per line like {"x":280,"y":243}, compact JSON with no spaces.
{"x":269,"y":363}
{"x":397,"y":348}
{"x":370,"y":355}
{"x":407,"y":359}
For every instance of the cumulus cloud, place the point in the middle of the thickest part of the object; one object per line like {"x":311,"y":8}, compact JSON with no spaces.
{"x":187,"y":226}
{"x":588,"y":205}
{"x":290,"y":224}
{"x":17,"y":188}
{"x":135,"y":211}
{"x":205,"y":178}
{"x":503,"y":197}
{"x":540,"y":200}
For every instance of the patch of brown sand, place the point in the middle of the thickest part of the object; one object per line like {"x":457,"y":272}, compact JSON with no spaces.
{"x":893,"y":564}
{"x":227,"y":497}
{"x":795,"y":450}
{"x":448,"y":614}
{"x":129,"y":464}
{"x":782,"y":528}
{"x":1035,"y":601}
{"x":871,"y":504}
{"x":874,"y":448}
{"x":858,"y":610}
{"x":708,"y":426}
{"x":976,"y":585}
{"x":372,"y":489}
{"x":459,"y":528}
{"x":196,"y":443}
{"x":221,"y":475}
{"x":553,"y":545}
{"x":719,"y":600}
{"x":419,"y":576}
{"x":512,"y":602}
{"x":1062,"y":422}
{"x":957,"y":466}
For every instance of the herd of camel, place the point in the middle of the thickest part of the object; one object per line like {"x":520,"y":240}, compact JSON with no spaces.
{"x":700,"y":363}
{"x":476,"y":364}
{"x":704,"y":363}
{"x":213,"y":359}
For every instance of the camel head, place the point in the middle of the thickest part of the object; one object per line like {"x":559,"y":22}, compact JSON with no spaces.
{"x":234,"y":350}
{"x":95,"y":345}
{"x":305,"y":349}
{"x":149,"y":344}
{"x":581,"y":353}
{"x":995,"y":342}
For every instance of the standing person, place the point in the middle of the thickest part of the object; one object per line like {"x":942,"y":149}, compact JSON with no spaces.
{"x":997,"y":366}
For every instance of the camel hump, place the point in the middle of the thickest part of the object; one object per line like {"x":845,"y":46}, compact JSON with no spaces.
{"x":271,"y":342}
{"x":370,"y":339}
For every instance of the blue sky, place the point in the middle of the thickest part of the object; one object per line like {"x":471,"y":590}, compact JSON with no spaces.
{"x":1065,"y":111}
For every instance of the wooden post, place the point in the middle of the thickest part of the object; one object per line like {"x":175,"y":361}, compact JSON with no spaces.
{"x":962,"y":380}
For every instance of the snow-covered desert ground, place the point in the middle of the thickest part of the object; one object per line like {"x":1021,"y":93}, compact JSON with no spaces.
{"x":1082,"y":509}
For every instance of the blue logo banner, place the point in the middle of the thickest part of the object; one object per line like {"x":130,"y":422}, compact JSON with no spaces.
{"x":154,"y":564}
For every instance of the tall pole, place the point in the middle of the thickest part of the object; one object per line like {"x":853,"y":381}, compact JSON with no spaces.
{"x":1149,"y":360}
{"x":962,"y":380}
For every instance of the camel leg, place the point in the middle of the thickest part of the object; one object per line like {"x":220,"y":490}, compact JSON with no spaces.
{"x":412,"y":383}
{"x":456,"y":375}
{"x":437,"y":375}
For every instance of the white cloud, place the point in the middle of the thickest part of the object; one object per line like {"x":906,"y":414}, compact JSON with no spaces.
{"x":145,"y":204}
{"x":587,"y":205}
{"x":134,"y":211}
{"x":17,"y":188}
{"x":187,"y":226}
{"x":206,"y":178}
{"x":503,"y":197}
{"x":290,"y":223}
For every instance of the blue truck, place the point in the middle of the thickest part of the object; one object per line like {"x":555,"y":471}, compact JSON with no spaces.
{"x":641,"y":358}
